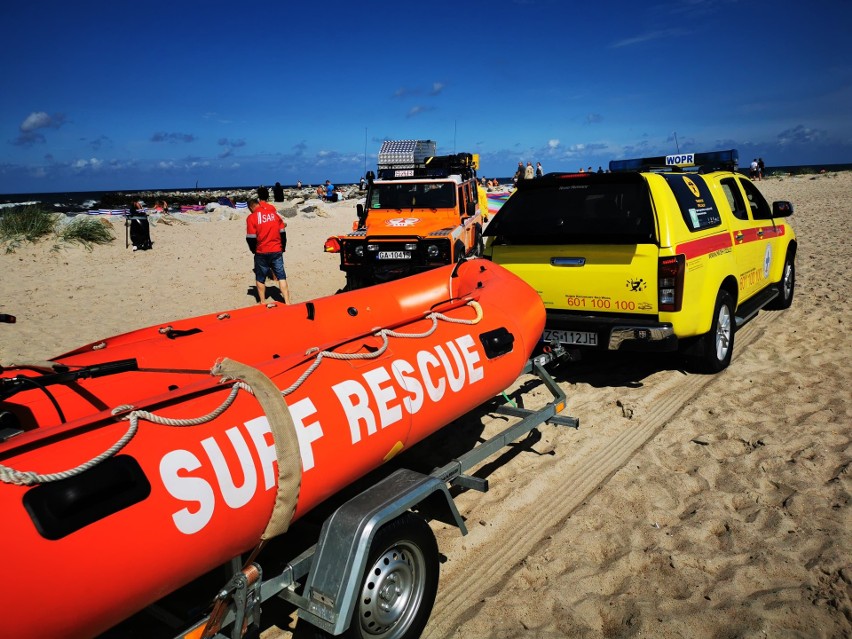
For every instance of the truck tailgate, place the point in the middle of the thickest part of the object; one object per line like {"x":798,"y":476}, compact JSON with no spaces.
{"x":589,"y":278}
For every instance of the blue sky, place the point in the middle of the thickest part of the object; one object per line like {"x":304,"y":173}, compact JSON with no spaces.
{"x":114,"y":95}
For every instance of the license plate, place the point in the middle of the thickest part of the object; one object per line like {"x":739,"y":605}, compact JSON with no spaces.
{"x":575,"y":338}
{"x":394,"y":255}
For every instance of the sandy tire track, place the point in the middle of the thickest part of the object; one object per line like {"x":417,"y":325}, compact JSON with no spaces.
{"x":472,"y":574}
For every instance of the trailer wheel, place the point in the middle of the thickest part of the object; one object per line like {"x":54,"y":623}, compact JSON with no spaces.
{"x":719,"y":341}
{"x":400,"y":582}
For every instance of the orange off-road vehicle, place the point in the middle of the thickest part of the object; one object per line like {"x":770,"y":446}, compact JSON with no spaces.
{"x":421,"y":211}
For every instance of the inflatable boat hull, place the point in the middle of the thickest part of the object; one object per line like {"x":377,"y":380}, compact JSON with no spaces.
{"x":177,"y":501}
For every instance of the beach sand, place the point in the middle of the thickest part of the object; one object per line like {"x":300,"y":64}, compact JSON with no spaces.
{"x":684,"y":506}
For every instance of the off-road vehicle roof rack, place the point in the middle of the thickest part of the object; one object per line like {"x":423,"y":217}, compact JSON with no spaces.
{"x":405,"y":159}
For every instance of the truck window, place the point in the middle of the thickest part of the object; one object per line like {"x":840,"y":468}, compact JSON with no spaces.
{"x":757,"y":203}
{"x":695,"y":201}
{"x":735,"y":198}
{"x":575,"y":213}
{"x":407,"y":195}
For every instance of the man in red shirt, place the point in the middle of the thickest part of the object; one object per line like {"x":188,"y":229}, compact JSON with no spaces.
{"x":267,"y":239}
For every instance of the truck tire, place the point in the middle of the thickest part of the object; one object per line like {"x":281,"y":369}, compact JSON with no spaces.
{"x":353,"y":282}
{"x":459,"y":251}
{"x":786,"y":286}
{"x":400,"y":582}
{"x":478,"y":244}
{"x":719,"y":341}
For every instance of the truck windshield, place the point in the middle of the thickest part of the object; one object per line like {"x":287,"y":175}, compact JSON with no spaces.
{"x":409,"y":195}
{"x":577,"y":211}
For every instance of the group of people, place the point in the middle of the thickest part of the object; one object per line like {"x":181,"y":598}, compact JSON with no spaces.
{"x":756,"y":169}
{"x":527,"y":172}
{"x":327,"y":193}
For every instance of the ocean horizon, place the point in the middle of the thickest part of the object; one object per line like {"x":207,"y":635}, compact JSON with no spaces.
{"x":83,"y":200}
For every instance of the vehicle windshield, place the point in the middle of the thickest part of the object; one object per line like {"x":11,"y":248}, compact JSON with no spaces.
{"x":408,"y":195}
{"x":576,"y":212}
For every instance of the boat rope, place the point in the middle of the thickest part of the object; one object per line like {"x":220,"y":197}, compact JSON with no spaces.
{"x":29,"y":478}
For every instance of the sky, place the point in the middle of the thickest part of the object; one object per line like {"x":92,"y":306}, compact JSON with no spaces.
{"x":167,"y":95}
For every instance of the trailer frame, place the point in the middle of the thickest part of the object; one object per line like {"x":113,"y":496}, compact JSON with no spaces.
{"x":333,"y":567}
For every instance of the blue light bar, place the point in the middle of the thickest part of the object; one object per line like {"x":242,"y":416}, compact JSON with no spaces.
{"x":705,"y":161}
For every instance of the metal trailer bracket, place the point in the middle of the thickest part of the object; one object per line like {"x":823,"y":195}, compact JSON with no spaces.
{"x":335,"y":564}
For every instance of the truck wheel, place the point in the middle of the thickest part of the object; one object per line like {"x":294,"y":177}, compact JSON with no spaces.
{"x":786,"y":287}
{"x":478,"y":244}
{"x":459,"y":251}
{"x":400,"y":583}
{"x":353,"y":282}
{"x":719,"y":341}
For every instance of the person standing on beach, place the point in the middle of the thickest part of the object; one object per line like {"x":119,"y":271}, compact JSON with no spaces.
{"x":140,"y":230}
{"x":760,"y":167}
{"x":519,"y":174}
{"x":529,"y":172}
{"x":266,"y":237}
{"x":278,"y":192}
{"x":538,"y":170}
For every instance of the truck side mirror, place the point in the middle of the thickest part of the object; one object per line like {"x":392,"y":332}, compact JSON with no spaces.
{"x":362,"y":215}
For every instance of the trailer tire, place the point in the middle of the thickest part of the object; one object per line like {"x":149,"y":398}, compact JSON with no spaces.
{"x":400,"y":582}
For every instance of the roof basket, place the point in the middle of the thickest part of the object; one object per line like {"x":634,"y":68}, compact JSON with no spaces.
{"x":416,"y":158}
{"x":697,"y":162}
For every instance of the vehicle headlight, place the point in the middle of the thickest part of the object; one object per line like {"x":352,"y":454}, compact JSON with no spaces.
{"x":411,"y":246}
{"x":432,"y":250}
{"x":359,"y":250}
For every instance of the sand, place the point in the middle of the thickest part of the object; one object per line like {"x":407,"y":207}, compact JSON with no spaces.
{"x":684,"y":506}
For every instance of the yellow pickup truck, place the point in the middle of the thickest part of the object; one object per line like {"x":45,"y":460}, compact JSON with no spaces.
{"x":665,"y":253}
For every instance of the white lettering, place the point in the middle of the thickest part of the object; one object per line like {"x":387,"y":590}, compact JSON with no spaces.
{"x":471,"y":357}
{"x":356,"y":411}
{"x":188,"y":489}
{"x":235,"y":496}
{"x":456,"y":381}
{"x":411,"y":384}
{"x":436,"y":391}
{"x":384,"y":395}
{"x":307,"y":433}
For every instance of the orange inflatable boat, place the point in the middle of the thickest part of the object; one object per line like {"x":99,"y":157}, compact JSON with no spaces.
{"x":128,"y":457}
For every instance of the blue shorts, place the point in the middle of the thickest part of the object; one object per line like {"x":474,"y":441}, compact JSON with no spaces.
{"x":266,"y":263}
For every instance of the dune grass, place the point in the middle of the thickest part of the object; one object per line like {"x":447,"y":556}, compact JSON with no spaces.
{"x":33,"y":224}
{"x":86,"y":231}
{"x":26,"y":224}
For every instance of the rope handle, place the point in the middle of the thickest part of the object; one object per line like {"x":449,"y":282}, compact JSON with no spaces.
{"x":29,"y":478}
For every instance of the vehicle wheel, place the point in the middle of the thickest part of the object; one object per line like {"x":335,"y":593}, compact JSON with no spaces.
{"x":459,"y":251}
{"x":353,"y":282}
{"x":786,"y":287}
{"x":719,"y":341}
{"x":400,"y":582}
{"x":478,"y":244}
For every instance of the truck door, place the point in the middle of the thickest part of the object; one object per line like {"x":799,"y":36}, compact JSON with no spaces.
{"x":752,"y":249}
